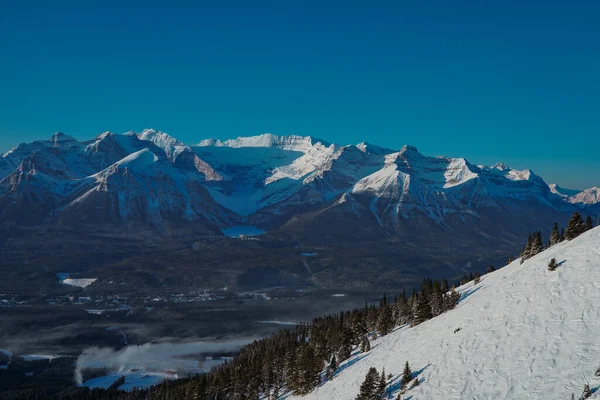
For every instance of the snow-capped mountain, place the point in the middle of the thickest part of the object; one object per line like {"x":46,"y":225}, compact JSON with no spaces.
{"x":522,"y":332}
{"x":148,"y":178}
{"x":267,"y":180}
{"x":587,"y":199}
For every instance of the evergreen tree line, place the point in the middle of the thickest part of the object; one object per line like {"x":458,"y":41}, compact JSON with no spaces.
{"x":575,"y":227}
{"x":299,"y":359}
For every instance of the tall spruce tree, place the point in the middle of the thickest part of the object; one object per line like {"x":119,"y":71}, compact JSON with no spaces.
{"x":365,"y":345}
{"x":344,"y":352}
{"x":369,"y":387}
{"x":382,"y":384}
{"x":575,"y":227}
{"x":526,"y":253}
{"x":555,"y":235}
{"x":385,"y":321}
{"x":406,"y":375}
{"x":451,"y":299}
{"x":331,"y":368}
{"x":537,"y":245}
{"x":588,"y":223}
{"x":422,"y":310}
{"x":436,"y":302}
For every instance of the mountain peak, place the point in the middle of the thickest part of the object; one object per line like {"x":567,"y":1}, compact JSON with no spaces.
{"x":501,"y":167}
{"x":408,"y":148}
{"x":367,"y":147}
{"x":267,"y":140}
{"x":104,"y":135}
{"x":60,"y":139}
{"x":161,"y":139}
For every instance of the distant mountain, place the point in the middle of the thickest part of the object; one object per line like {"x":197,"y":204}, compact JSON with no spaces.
{"x":588,"y":199}
{"x":437,"y":212}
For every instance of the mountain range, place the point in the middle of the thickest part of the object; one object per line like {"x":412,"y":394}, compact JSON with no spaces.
{"x":299,"y":190}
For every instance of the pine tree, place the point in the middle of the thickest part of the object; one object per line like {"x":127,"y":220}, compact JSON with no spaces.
{"x":555,"y":235}
{"x":275,"y":393}
{"x":309,"y":369}
{"x":382,"y":385}
{"x":331,"y":368}
{"x":587,"y":392}
{"x":562,"y":235}
{"x":406,"y":375}
{"x":451,"y":299}
{"x":575,"y":227}
{"x":491,"y":269}
{"x":436,"y":302}
{"x":588,"y":223}
{"x":403,"y":311}
{"x":344,"y":352}
{"x":365,"y":345}
{"x":385,"y":321}
{"x":368,"y":389}
{"x":422,"y":310}
{"x":537,"y":245}
{"x":552,"y":264}
{"x":526,"y":253}
{"x":477,"y":278}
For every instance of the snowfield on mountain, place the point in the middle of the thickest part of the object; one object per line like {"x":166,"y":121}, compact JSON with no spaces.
{"x":525,"y":333}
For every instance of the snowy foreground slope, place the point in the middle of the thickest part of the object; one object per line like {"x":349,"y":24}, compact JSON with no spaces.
{"x":526,"y":333}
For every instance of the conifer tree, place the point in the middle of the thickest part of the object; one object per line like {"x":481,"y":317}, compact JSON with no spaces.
{"x":552,"y":264}
{"x":368,"y":389}
{"x":587,"y":392}
{"x":385,"y":321}
{"x":344,"y":353}
{"x":451,"y":299}
{"x":365,"y":345}
{"x":526,"y":253}
{"x":537,"y":245}
{"x":562,"y":234}
{"x":331,"y":368}
{"x":575,"y":227}
{"x":406,"y":375}
{"x":382,"y":385}
{"x":588,"y":223}
{"x":477,"y":278}
{"x":491,"y":269}
{"x":309,"y":369}
{"x":422,"y":310}
{"x":436,"y":302}
{"x":403,"y":311}
{"x":555,"y":235}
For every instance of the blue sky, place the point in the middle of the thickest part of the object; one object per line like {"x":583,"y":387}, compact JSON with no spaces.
{"x":511,"y":81}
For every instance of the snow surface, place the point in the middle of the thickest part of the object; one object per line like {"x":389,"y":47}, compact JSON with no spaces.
{"x":64,"y":277}
{"x":526,"y":333}
{"x":286,"y":323}
{"x":37,"y":357}
{"x":240,"y":231}
{"x":141,"y":380}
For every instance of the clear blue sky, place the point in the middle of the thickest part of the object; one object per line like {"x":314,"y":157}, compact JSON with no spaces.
{"x":511,"y":81}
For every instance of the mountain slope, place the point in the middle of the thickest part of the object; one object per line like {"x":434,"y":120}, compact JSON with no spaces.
{"x":525,"y":333}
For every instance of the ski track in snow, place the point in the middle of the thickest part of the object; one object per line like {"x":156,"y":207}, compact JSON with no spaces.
{"x":526,"y":333}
